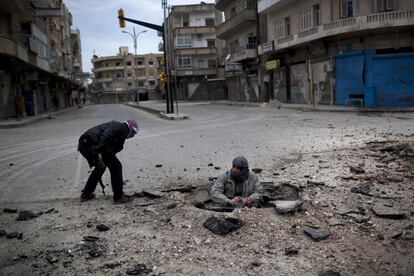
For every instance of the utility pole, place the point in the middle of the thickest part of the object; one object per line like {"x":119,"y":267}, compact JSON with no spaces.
{"x":170,"y":104}
{"x":134,"y":38}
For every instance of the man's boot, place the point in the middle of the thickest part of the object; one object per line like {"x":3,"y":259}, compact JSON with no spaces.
{"x":123,"y":199}
{"x":85,"y":196}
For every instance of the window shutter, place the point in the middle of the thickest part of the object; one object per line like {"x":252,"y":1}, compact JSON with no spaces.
{"x":355,"y":6}
{"x":343,"y":9}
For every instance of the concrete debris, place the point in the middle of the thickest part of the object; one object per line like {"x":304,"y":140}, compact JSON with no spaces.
{"x":139,"y":269}
{"x":316,"y":234}
{"x":383,"y":211}
{"x":357,"y":170}
{"x":102,"y":227}
{"x":151,"y":193}
{"x":287,"y":206}
{"x":27,"y":215}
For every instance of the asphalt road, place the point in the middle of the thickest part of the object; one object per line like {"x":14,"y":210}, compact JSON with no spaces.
{"x":40,"y":161}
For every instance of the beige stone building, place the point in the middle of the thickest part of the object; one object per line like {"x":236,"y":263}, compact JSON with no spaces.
{"x":339,"y":52}
{"x":240,"y":32}
{"x":193,"y":49}
{"x":120,"y":78}
{"x":28,"y":66}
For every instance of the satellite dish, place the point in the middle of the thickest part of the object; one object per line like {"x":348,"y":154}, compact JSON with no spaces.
{"x":228,"y":57}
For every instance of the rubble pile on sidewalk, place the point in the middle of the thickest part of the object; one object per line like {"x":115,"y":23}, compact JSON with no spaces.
{"x":334,"y":213}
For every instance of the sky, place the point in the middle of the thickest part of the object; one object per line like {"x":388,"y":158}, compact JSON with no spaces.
{"x":97,"y":21}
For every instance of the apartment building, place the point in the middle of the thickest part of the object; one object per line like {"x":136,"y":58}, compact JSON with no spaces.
{"x":27,"y":63}
{"x":240,"y":32}
{"x":193,"y":49}
{"x":124,"y":77}
{"x":339,"y":52}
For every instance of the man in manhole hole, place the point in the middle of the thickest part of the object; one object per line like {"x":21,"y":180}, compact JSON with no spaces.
{"x":238,"y":187}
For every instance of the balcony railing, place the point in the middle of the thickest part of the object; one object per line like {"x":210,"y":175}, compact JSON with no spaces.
{"x":349,"y":25}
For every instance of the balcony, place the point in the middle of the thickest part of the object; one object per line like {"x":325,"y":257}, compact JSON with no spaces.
{"x":243,"y":55}
{"x":239,"y":22}
{"x":195,"y":30}
{"x":102,"y":80}
{"x":11,"y":47}
{"x":195,"y":72}
{"x":220,"y":4}
{"x":196,"y":51}
{"x":388,"y":20}
{"x":109,"y":68}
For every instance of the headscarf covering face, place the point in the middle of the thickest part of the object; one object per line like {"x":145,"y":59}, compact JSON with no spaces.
{"x":243,"y":174}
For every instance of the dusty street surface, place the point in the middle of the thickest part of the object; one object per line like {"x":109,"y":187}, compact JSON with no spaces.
{"x":367,"y":211}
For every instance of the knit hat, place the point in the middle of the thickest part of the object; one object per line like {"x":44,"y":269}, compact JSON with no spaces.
{"x":132,"y":126}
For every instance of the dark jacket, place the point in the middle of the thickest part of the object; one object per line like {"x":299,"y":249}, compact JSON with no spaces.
{"x":108,"y":137}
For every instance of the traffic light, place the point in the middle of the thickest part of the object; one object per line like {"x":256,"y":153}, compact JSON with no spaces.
{"x":121,"y":21}
{"x":163,"y":77}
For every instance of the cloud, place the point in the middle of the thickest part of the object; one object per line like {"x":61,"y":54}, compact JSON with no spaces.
{"x":98,"y":24}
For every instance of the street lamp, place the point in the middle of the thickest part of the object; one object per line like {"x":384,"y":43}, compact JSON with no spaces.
{"x":134,"y":38}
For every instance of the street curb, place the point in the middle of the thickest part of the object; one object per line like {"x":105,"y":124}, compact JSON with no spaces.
{"x":17,"y":124}
{"x":350,"y":110}
{"x":159,"y":113}
{"x":315,"y":109}
{"x":153,"y":111}
{"x":174,"y":116}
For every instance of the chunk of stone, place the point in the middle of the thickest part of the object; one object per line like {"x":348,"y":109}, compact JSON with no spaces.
{"x":27,"y":215}
{"x":356,"y":170}
{"x":102,"y":227}
{"x":315,"y":183}
{"x":152,"y":193}
{"x":222,"y":226}
{"x":139,"y":269}
{"x":383,"y":211}
{"x":316,"y":234}
{"x":287,"y":206}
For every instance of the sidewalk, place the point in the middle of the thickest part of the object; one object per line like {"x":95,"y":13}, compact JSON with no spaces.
{"x":14,"y":123}
{"x":158,"y":108}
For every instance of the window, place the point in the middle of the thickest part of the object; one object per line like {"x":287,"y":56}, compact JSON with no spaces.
{"x":119,"y":76}
{"x":151,"y":82}
{"x":209,"y":21}
{"x":199,"y":37}
{"x":385,"y":5}
{"x":306,"y":19}
{"x":141,"y":83}
{"x":201,"y":63}
{"x":184,"y":62}
{"x":234,"y":46}
{"x":151,"y":73}
{"x":233,"y":12}
{"x":141,"y":73}
{"x":150,"y":62}
{"x":183,"y":41}
{"x":316,"y":15}
{"x":211,"y":43}
{"x":186,"y":20}
{"x":348,"y":8}
{"x":106,"y":64}
{"x":282,"y":28}
{"x":129,"y":83}
{"x":118,"y":64}
{"x":140,"y":62}
{"x":212,"y":63}
{"x":129,"y":63}
{"x":251,"y":42}
{"x":251,"y":4}
{"x":129,"y":74}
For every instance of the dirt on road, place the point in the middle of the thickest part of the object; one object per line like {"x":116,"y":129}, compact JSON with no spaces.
{"x":361,"y":198}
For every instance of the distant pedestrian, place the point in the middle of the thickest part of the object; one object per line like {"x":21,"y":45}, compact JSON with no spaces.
{"x":99,"y":145}
{"x":19,"y":106}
